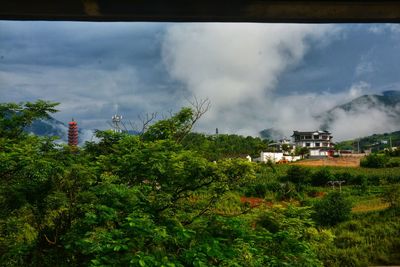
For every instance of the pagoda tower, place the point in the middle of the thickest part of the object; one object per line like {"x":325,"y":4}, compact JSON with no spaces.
{"x":72,"y":133}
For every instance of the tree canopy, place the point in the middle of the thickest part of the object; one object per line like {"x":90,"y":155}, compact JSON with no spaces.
{"x":127,"y":200}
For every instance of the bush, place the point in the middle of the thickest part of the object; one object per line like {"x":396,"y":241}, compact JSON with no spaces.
{"x":394,"y":153}
{"x":348,"y":239}
{"x":359,"y":179}
{"x":374,"y":161}
{"x":394,"y":162}
{"x":344,"y":176}
{"x":300,"y":176}
{"x":287,"y":191}
{"x":256,"y":190}
{"x":391,"y":195}
{"x":321,"y":177}
{"x":269,"y":221}
{"x":332,"y":209}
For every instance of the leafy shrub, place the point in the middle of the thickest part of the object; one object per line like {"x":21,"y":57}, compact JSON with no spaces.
{"x":344,"y":176}
{"x":332,"y":209}
{"x":315,"y":192}
{"x":352,"y":226}
{"x":359,"y":179}
{"x":321,"y":177}
{"x":393,"y":162}
{"x":309,"y":202}
{"x":269,"y":222}
{"x":391,"y":195}
{"x":300,"y":176}
{"x":394,"y":153}
{"x":347,"y":239}
{"x":374,"y":161}
{"x":256,"y":190}
{"x":287,"y":191}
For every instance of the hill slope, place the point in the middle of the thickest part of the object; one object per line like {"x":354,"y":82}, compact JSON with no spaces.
{"x":387,"y":104}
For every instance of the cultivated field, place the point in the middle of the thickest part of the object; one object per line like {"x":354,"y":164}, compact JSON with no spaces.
{"x":347,"y":161}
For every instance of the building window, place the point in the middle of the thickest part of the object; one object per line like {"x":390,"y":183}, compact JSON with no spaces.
{"x":307,"y":144}
{"x":317,"y":144}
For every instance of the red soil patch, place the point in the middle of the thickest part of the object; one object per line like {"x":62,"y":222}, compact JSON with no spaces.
{"x":255,"y":201}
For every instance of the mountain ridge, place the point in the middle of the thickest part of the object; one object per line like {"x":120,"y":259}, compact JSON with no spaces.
{"x":387,"y":103}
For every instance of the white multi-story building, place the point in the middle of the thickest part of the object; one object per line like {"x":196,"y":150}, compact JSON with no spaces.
{"x":319,"y":143}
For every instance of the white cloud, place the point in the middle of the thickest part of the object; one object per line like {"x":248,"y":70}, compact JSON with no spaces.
{"x":237,"y":66}
{"x":358,"y":89}
{"x":362,"y":122}
{"x":234,"y":63}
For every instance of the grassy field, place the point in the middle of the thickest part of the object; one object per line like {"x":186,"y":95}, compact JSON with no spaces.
{"x":372,"y":234}
{"x":373,"y":203}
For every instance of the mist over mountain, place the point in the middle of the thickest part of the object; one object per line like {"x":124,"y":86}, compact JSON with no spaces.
{"x":362,"y":116}
{"x":388,"y":103}
{"x":365,"y":115}
{"x":272,"y":134}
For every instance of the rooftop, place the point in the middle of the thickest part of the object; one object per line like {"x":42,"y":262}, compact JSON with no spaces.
{"x":310,"y":133}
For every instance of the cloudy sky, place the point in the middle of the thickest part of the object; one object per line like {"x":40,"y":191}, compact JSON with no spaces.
{"x":256,"y":76}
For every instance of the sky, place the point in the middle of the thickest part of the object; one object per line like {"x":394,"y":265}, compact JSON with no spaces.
{"x":257,"y":76}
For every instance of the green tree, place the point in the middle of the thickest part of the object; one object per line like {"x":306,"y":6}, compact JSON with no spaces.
{"x":374,"y":161}
{"x":332,"y":209}
{"x":135,"y":201}
{"x":15,"y":117}
{"x":302,"y":151}
{"x":299,"y":176}
{"x":220,"y":146}
{"x":321,"y":177}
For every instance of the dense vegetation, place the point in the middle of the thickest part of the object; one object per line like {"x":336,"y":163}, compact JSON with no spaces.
{"x":220,"y":146}
{"x":171,"y":198}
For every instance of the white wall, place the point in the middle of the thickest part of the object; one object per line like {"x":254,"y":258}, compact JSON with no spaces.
{"x":273,"y":156}
{"x":277,"y":156}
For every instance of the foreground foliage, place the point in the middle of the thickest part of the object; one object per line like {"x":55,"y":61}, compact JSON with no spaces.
{"x":134,"y":201}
